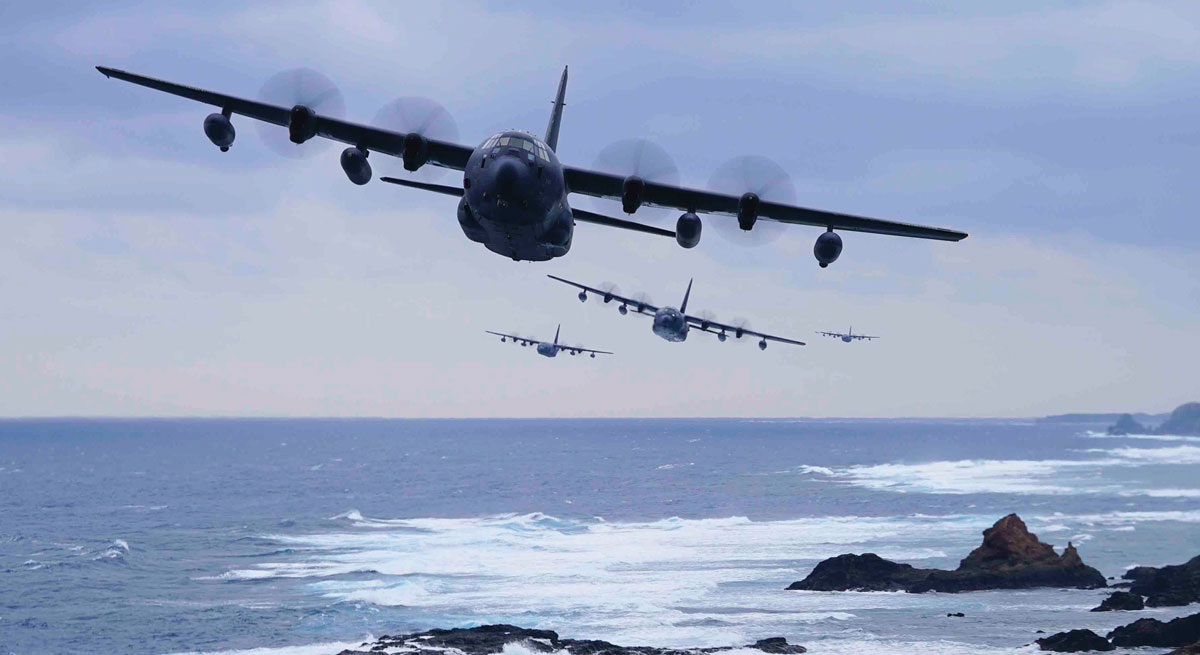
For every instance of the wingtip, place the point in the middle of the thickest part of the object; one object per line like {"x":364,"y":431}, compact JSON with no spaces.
{"x":105,"y":71}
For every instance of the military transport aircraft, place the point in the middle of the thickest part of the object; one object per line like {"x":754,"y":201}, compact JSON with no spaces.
{"x":674,"y":324}
{"x":548,"y":349}
{"x":848,"y":336}
{"x":514,"y":194}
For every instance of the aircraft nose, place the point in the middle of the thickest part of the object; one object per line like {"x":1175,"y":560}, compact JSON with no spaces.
{"x":508,"y":176}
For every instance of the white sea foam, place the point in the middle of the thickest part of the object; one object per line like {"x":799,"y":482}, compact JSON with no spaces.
{"x":1042,"y":477}
{"x":310,"y":649}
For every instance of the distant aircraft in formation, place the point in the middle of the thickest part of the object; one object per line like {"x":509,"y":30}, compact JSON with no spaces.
{"x":674,"y":324}
{"x":548,"y":349}
{"x":848,"y":336}
{"x":514,"y":193}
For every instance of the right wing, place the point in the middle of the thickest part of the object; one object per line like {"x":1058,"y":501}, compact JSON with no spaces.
{"x":608,"y":296}
{"x":441,"y":153}
{"x":713,"y":327}
{"x":583,"y":350}
{"x":835,"y":335}
{"x":514,"y":337}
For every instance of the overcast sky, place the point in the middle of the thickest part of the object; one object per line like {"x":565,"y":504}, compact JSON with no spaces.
{"x":143,"y":272}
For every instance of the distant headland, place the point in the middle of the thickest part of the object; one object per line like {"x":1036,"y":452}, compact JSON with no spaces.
{"x":1185,"y":420}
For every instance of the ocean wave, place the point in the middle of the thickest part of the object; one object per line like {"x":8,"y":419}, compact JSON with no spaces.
{"x":1021,"y":477}
{"x":309,"y":649}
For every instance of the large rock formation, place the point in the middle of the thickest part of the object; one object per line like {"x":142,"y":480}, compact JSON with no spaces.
{"x":491,"y":639}
{"x":1010,"y":557}
{"x":1169,"y":586}
{"x":1194,"y":649}
{"x":1126,"y":424}
{"x":1075,"y":641}
{"x":1152,"y":632}
{"x":1121,"y":601}
{"x":1184,"y":420}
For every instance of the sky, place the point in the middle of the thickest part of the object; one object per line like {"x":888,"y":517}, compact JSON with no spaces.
{"x":145,"y":273}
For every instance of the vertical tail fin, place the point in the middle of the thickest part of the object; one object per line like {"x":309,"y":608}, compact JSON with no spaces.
{"x":556,"y":333}
{"x":683,"y":307}
{"x":556,"y":113}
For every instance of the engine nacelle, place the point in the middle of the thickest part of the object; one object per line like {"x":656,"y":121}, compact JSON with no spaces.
{"x":687,"y":230}
{"x":354,"y":162}
{"x":302,"y":124}
{"x":415,"y":152}
{"x":219,"y":130}
{"x":827,"y":248}
{"x":747,"y":211}
{"x":632,"y":190}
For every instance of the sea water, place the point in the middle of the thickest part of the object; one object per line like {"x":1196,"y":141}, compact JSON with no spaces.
{"x":309,"y":536}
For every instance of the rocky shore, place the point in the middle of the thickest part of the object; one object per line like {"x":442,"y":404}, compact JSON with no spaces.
{"x":1010,"y":557}
{"x":1182,"y":633}
{"x":491,"y":639}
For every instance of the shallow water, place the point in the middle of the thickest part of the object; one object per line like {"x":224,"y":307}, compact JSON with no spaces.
{"x":158,"y":536}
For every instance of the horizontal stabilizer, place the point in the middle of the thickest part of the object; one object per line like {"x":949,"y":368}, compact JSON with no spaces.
{"x":600,"y":219}
{"x":436,"y":188}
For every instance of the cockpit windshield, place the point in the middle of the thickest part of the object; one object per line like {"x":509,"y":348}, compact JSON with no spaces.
{"x":532,"y":147}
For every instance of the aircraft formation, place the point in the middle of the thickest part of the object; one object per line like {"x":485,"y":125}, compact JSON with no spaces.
{"x":515,"y":194}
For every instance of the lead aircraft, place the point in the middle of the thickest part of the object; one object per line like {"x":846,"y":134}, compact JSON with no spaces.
{"x":674,"y":324}
{"x":514,"y":194}
{"x":548,"y":349}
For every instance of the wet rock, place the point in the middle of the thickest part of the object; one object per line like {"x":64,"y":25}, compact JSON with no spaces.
{"x":956,"y":614}
{"x":1152,"y":632}
{"x":1168,"y":586}
{"x":1075,"y":641}
{"x":1194,"y":649}
{"x":491,"y":639}
{"x":1123,"y":601}
{"x":1010,"y":557}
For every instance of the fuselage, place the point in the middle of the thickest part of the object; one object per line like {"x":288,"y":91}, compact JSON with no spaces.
{"x":547,"y":349}
{"x":670,"y":324}
{"x":847,"y":338}
{"x":515,"y":199}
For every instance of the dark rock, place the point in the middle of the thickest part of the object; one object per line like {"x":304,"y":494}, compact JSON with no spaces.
{"x":1169,"y":586}
{"x":956,"y":614}
{"x":1152,"y":632}
{"x":1127,"y":425}
{"x":1194,"y":649}
{"x":866,"y":572}
{"x":1121,"y":601}
{"x":491,"y":639}
{"x":1010,"y":557}
{"x":1075,"y":641}
{"x":776,"y":646}
{"x":1184,"y":420}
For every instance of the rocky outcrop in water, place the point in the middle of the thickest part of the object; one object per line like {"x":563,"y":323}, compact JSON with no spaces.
{"x":1168,"y":586}
{"x":1011,"y":557}
{"x":1075,"y":641}
{"x":1184,"y":420}
{"x":1121,"y":601}
{"x":491,"y":639}
{"x":1152,"y":632}
{"x":1126,"y":424}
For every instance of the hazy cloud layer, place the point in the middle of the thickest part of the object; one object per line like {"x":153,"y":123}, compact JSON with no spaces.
{"x":144,"y":272}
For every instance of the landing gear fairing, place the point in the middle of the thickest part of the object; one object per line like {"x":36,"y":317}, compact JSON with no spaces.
{"x":514,"y":194}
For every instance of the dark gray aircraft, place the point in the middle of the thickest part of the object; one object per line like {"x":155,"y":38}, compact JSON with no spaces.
{"x":848,"y":336}
{"x":514,"y":194}
{"x":674,"y":324}
{"x":548,"y":349}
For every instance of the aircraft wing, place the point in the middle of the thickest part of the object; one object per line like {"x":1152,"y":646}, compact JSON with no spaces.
{"x":441,"y":153}
{"x":835,"y":335}
{"x":862,"y":336}
{"x":610,"y":185}
{"x":713,"y":327}
{"x":637,"y":305}
{"x":514,"y":337}
{"x":583,"y":350}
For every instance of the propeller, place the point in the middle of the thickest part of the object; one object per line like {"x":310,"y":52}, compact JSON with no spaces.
{"x":761,"y":177}
{"x":422,"y":116}
{"x":608,"y":289}
{"x":739,"y":324}
{"x":642,"y":159}
{"x":639,"y":299}
{"x":299,"y":86}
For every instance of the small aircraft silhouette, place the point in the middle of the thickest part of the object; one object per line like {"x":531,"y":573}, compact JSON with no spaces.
{"x":848,"y":336}
{"x":548,"y":349}
{"x":674,"y":324}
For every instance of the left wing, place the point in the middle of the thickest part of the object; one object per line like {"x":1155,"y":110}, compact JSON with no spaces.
{"x":608,"y":296}
{"x":583,"y":350}
{"x":862,"y":336}
{"x":441,"y":153}
{"x":835,"y":335}
{"x":713,"y":327}
{"x":514,"y":338}
{"x":610,"y":185}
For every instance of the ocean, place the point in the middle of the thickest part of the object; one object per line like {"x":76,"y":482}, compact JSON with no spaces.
{"x":309,"y":536}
